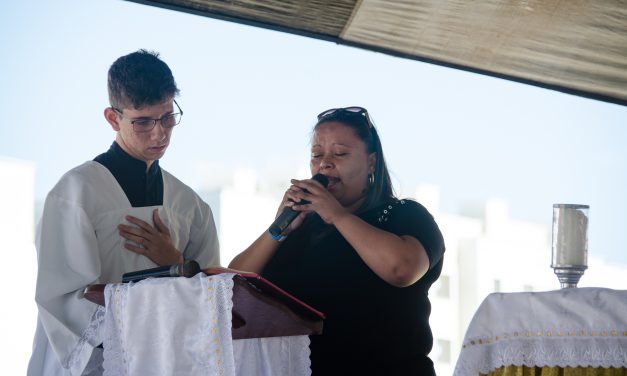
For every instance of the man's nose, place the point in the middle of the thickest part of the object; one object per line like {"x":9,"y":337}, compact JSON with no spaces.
{"x":158,"y":132}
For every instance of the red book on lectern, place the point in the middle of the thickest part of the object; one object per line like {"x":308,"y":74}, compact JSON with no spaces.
{"x":270,"y":289}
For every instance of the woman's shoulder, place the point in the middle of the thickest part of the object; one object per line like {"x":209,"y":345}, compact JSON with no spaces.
{"x":403,"y":207}
{"x":409,"y":217}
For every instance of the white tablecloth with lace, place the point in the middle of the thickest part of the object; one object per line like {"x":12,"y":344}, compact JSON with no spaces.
{"x":182,"y":326}
{"x":578,"y":327}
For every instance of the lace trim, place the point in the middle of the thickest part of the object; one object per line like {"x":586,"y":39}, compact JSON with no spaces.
{"x":114,"y":355}
{"x":92,"y":335}
{"x":300,"y":357}
{"x":218,"y":359}
{"x":539,"y":352}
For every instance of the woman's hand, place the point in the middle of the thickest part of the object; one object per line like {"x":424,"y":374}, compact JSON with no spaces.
{"x":152,"y":242}
{"x":287,"y":202}
{"x":320,"y":200}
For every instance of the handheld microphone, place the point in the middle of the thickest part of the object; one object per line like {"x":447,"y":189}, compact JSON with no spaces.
{"x":187,"y":269}
{"x":288,"y":215}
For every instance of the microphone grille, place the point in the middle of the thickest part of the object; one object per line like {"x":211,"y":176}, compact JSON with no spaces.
{"x":322,"y":179}
{"x":190,"y":268}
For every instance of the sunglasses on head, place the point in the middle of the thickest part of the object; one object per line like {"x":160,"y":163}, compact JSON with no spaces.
{"x":351,"y":110}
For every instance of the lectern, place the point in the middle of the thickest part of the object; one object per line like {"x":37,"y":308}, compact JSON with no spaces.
{"x":225,"y":323}
{"x":260,"y":308}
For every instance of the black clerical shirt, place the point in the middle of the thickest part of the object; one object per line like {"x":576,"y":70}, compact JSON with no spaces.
{"x":142,"y":188}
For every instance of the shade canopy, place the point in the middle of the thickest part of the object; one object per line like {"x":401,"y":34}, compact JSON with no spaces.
{"x":573,"y":46}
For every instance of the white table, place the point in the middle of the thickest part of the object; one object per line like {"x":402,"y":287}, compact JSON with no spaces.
{"x":576,"y":327}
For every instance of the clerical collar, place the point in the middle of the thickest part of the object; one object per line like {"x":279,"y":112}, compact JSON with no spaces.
{"x":142,"y":188}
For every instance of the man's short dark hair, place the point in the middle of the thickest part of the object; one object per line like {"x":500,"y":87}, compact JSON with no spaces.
{"x":140,"y":79}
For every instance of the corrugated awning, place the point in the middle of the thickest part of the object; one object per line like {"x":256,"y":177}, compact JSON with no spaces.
{"x":574,"y":46}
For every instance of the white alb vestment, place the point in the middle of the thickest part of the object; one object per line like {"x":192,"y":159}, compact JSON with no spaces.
{"x":78,"y":244}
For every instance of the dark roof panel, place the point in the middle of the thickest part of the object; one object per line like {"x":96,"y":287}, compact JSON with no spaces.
{"x":577,"y":47}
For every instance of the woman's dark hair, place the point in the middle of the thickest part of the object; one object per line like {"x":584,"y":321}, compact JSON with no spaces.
{"x":140,"y":79}
{"x":381,"y":190}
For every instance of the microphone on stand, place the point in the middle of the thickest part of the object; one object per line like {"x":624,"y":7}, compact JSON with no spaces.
{"x":187,"y":269}
{"x":288,"y":215}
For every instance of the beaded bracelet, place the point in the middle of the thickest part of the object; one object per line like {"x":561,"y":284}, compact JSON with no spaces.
{"x":279,"y":237}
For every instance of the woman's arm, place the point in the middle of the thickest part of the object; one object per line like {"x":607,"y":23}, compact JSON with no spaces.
{"x":256,"y":256}
{"x":398,"y":260}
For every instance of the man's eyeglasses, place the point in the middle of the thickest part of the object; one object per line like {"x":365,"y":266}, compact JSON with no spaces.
{"x":146,"y":125}
{"x":351,"y":110}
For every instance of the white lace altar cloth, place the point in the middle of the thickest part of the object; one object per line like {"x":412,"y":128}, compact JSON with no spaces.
{"x":574,"y":327}
{"x":182,"y":326}
{"x":285,"y":356}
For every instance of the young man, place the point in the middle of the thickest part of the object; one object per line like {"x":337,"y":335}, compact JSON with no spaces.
{"x":118,"y":213}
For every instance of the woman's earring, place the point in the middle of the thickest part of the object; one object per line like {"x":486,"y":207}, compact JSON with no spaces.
{"x":371,"y":179}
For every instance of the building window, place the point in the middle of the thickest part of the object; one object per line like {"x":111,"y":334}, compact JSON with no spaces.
{"x":443,"y":287}
{"x":444,"y":353}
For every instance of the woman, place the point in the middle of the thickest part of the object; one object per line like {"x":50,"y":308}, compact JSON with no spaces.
{"x":357,"y":253}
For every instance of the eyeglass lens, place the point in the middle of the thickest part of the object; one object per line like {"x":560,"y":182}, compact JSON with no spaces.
{"x":146,"y":125}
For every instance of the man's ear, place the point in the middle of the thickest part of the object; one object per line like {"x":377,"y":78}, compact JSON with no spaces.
{"x":112,"y":118}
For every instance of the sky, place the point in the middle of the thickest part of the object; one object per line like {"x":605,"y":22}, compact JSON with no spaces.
{"x":251,"y":96}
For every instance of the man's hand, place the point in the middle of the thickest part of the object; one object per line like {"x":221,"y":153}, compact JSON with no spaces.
{"x":152,"y":242}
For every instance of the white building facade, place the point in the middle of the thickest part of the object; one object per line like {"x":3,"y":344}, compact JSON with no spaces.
{"x":17,"y":280}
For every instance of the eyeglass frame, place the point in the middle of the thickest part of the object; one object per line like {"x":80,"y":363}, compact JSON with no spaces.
{"x":360,"y":111}
{"x":154,"y":121}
